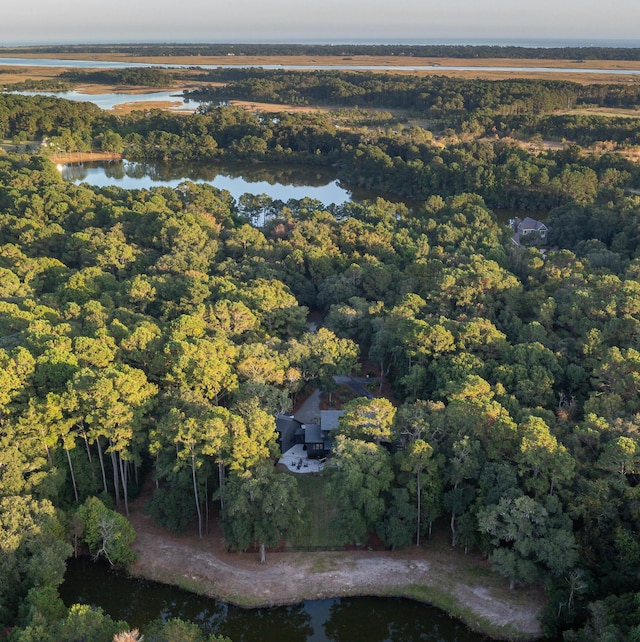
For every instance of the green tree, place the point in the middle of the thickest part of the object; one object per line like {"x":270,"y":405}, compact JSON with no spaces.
{"x":368,"y":419}
{"x":205,"y":366}
{"x":543,"y":464}
{"x":621,"y":455}
{"x":418,"y":459}
{"x":16,"y":368}
{"x":194,"y":434}
{"x":113,"y":403}
{"x":251,"y":436}
{"x":107,"y":533}
{"x":31,"y":549}
{"x":261,"y":507}
{"x":177,"y":630}
{"x":86,"y":623}
{"x":396,"y":528}
{"x":462,"y":469}
{"x":360,"y":477}
{"x":322,"y":355}
{"x":275,"y":306}
{"x":528,"y":538}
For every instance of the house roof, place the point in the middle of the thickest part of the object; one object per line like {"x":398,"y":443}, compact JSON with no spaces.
{"x":330,"y":419}
{"x":286,"y":424}
{"x":529,"y":223}
{"x":312,"y":434}
{"x":286,"y":427}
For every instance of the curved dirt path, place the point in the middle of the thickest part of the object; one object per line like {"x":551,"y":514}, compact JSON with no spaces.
{"x":204,"y":566}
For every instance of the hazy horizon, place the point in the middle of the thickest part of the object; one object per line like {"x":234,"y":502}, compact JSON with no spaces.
{"x":332,"y":21}
{"x":500,"y":42}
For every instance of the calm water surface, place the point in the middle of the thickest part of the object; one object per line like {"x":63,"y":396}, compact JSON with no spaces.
{"x":277,"y":182}
{"x":103,"y":64}
{"x":334,"y":620}
{"x":282,"y":183}
{"x":110,"y":100}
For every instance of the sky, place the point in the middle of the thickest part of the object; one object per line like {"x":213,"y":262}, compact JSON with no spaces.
{"x":387,"y":21}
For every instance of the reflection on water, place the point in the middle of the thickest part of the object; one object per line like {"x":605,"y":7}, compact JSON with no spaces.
{"x":105,"y":64}
{"x":333,"y":620}
{"x":110,"y":100}
{"x":279,"y":183}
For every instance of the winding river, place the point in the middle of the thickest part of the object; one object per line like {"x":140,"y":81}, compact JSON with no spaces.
{"x":105,"y":64}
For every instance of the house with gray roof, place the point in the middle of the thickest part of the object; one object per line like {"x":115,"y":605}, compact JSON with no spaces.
{"x":528,"y":225}
{"x":317,"y":437}
{"x":287,"y":426}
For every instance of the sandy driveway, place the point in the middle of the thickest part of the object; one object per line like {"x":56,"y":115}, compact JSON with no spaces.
{"x":204,"y":566}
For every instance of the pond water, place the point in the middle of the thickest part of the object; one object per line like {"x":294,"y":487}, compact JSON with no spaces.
{"x":282,"y":183}
{"x":277,"y":182}
{"x":332,"y":620}
{"x":110,"y":100}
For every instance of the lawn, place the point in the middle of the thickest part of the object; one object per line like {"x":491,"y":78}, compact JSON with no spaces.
{"x":316,"y":532}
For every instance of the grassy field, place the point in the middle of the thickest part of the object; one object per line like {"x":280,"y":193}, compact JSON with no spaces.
{"x":317,"y":532}
{"x":612,"y":112}
{"x":438,"y":64}
{"x":395,"y":61}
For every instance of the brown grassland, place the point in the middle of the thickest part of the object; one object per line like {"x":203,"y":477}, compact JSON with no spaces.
{"x":10,"y":75}
{"x":390,"y":61}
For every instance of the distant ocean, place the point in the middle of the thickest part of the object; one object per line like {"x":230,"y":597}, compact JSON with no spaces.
{"x":502,"y":42}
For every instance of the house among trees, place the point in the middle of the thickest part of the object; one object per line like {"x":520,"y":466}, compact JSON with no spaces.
{"x":287,"y":427}
{"x":316,"y":438}
{"x":526,"y":226}
{"x":315,"y":442}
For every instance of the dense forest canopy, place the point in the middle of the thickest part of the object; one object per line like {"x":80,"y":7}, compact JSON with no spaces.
{"x":158,"y":332}
{"x":146,"y":77}
{"x":429,"y":95}
{"x":481,"y":122}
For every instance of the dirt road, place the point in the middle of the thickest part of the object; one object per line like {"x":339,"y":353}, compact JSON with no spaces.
{"x":445,"y":577}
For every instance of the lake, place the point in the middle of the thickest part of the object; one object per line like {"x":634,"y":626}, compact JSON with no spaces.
{"x":110,"y":100}
{"x":279,"y":183}
{"x":332,"y":620}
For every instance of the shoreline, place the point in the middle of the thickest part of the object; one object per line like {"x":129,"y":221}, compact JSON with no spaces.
{"x":241,"y":60}
{"x":63,"y":158}
{"x":494,"y":68}
{"x":463,"y":586}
